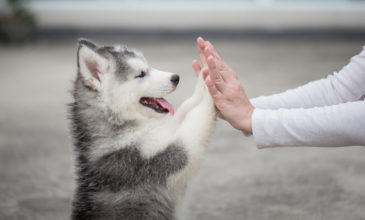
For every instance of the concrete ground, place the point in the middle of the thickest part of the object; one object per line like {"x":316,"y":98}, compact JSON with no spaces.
{"x":236,"y":180}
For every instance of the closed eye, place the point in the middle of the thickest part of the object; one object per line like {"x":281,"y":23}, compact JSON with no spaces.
{"x":141,"y":75}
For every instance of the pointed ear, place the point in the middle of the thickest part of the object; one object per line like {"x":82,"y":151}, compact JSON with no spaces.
{"x":91,"y":64}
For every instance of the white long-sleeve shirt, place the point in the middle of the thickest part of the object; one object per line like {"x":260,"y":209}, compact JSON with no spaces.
{"x":328,"y":112}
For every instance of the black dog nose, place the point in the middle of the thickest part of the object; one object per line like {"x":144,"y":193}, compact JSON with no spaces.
{"x":175,"y":79}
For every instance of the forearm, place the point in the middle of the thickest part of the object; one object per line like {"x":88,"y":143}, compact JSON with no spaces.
{"x":313,"y":94}
{"x":330,"y":126}
{"x":344,"y":86}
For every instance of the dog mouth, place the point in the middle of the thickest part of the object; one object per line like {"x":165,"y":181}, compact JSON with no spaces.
{"x":160,"y":105}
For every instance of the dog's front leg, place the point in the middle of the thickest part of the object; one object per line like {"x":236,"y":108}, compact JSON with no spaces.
{"x":193,"y":101}
{"x":194,"y":133}
{"x":198,"y":126}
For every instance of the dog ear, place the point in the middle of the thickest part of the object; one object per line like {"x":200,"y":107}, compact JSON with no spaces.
{"x":91,"y":65}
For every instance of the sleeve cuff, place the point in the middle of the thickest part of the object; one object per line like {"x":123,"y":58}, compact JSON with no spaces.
{"x":262,"y":127}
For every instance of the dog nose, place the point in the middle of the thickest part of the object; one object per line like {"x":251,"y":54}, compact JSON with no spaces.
{"x":175,"y":79}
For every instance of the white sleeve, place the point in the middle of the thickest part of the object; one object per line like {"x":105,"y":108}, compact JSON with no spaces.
{"x":346,"y":85}
{"x":336,"y":125}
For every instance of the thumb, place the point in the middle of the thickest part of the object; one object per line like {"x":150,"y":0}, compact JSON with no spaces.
{"x":196,"y":67}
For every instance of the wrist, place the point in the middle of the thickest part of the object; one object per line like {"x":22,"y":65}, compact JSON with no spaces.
{"x":249,"y":120}
{"x":246,"y":123}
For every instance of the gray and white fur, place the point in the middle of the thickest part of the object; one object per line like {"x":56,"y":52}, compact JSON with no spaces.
{"x":133,"y":160}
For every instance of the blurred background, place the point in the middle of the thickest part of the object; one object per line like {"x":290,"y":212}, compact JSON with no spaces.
{"x":273,"y":45}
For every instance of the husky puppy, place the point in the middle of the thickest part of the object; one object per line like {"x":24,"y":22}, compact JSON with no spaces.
{"x":134,"y":156}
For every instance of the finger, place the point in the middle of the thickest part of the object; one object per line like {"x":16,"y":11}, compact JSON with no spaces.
{"x":211,"y":67}
{"x":225,"y":71}
{"x":201,"y":42}
{"x":205,"y":73}
{"x":201,"y":47}
{"x":203,"y":60}
{"x":222,"y":68}
{"x":215,"y":75}
{"x":196,"y":67}
{"x":213,"y":51}
{"x":216,"y":95}
{"x":208,"y":51}
{"x":211,"y":87}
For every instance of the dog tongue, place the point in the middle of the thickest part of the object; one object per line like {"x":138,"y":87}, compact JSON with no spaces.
{"x":166,"y":105}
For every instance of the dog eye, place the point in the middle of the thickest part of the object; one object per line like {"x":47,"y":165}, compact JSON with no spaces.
{"x":141,"y":75}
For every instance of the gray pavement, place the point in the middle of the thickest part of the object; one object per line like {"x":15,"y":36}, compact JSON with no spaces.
{"x":236,"y":180}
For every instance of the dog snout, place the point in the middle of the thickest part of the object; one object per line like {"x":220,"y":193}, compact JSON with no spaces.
{"x":175,"y":79}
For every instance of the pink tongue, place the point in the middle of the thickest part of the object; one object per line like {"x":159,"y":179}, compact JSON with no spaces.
{"x":166,"y":105}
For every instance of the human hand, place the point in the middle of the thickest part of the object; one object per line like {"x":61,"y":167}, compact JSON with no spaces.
{"x":224,"y":87}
